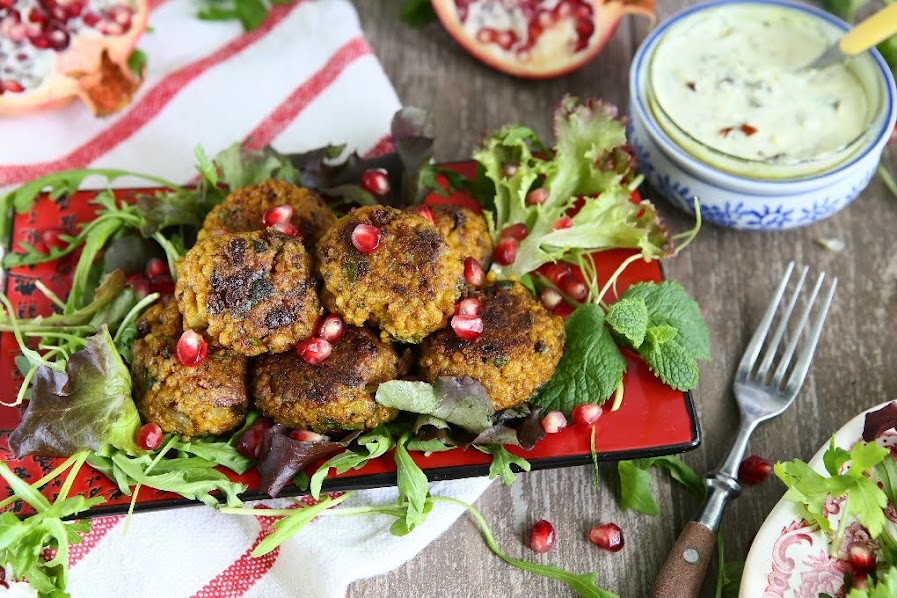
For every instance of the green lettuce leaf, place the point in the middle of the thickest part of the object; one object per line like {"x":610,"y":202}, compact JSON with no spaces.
{"x":87,"y":407}
{"x":459,"y":401}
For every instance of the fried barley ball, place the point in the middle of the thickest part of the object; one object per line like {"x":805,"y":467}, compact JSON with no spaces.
{"x":407,"y":287}
{"x":210,"y":398}
{"x":465,"y":231}
{"x":243,"y":210}
{"x":336,"y":394}
{"x":252,"y":292}
{"x":517,"y":353}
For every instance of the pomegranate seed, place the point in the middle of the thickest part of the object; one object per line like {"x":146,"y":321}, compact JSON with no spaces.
{"x":331,"y":329}
{"x":468,"y":307}
{"x":192,"y":349}
{"x":287,"y":228}
{"x":550,"y":298}
{"x":515,"y":231}
{"x":608,"y":536}
{"x":50,"y":237}
{"x":281,"y":213}
{"x":542,"y":536}
{"x":427,"y":213}
{"x":554,"y":422}
{"x":37,"y":16}
{"x":13,"y":86}
{"x":755,"y":469}
{"x":586,"y":414}
{"x":141,"y":285}
{"x":556,"y":273}
{"x":467,"y":327}
{"x":156,"y":267}
{"x":306,"y":436}
{"x":149,"y":437}
{"x":376,"y":181}
{"x":366,"y":238}
{"x":563,"y":222}
{"x":314,"y":350}
{"x":250,"y":442}
{"x":90,"y":18}
{"x":506,"y":251}
{"x":473,"y":272}
{"x":575,"y":288}
{"x":164,"y":285}
{"x":537,"y":197}
{"x":861,"y":557}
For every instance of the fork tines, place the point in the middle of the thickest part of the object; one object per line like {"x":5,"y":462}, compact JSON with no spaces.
{"x":787,"y":375}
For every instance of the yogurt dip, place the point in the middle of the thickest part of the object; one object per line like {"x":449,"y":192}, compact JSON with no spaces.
{"x":727,"y":83}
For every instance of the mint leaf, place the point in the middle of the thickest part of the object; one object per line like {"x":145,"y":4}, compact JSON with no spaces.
{"x":87,"y":407}
{"x":668,"y":303}
{"x":502,"y":462}
{"x":590,"y":368}
{"x":629,"y":318}
{"x":635,"y":489}
{"x":669,"y":360}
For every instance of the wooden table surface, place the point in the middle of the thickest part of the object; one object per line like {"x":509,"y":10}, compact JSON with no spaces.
{"x":731,"y":274}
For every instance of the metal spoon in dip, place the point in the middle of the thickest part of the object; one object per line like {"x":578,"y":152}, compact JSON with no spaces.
{"x":879,"y":26}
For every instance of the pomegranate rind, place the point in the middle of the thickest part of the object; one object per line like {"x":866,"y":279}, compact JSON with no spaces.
{"x":93,"y":69}
{"x":552,"y":55}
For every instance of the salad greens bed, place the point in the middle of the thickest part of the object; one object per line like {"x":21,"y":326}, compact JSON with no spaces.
{"x":78,"y":383}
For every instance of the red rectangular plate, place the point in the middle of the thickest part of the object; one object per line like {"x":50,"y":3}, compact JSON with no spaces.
{"x":653,"y":420}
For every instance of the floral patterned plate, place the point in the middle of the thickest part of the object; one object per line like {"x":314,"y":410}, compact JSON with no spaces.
{"x":789,"y":558}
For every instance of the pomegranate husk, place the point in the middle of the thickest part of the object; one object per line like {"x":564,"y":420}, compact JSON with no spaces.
{"x":93,"y":69}
{"x":552,"y":55}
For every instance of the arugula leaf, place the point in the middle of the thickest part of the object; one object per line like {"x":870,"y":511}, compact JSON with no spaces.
{"x":679,"y":470}
{"x":459,"y":401}
{"x":635,"y":489}
{"x":884,"y":587}
{"x":376,"y":443}
{"x":87,"y":407}
{"x":590,"y":368}
{"x":504,"y":463}
{"x":293,"y":523}
{"x":413,"y":488}
{"x":417,"y":12}
{"x":220,"y":452}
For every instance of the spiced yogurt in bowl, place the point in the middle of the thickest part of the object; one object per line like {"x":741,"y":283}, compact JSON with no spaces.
{"x":723,"y":110}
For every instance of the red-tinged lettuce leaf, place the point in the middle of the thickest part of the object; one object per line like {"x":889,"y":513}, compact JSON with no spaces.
{"x":878,"y":422}
{"x":463,"y":402}
{"x":523,"y":430}
{"x":281,"y":458}
{"x":87,"y":407}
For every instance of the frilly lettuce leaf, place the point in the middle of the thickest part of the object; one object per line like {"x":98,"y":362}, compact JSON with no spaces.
{"x":87,"y":407}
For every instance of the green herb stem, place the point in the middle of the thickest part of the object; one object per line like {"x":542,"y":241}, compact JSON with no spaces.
{"x":133,"y":314}
{"x":43,"y":481}
{"x":80,"y":458}
{"x":49,"y":294}
{"x":612,"y":281}
{"x":690,"y":235}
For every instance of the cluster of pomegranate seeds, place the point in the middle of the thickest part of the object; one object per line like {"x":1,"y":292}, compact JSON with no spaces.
{"x":542,"y":537}
{"x":473,"y":272}
{"x":537,"y":197}
{"x":550,"y":298}
{"x":192,"y":349}
{"x":366,"y":238}
{"x":755,"y":469}
{"x":506,"y":251}
{"x":608,"y":536}
{"x":155,"y":278}
{"x":149,"y":437}
{"x":586,"y":414}
{"x":306,"y":436}
{"x":314,"y":350}
{"x":376,"y":181}
{"x":331,"y":328}
{"x":250,"y":442}
{"x":557,"y":273}
{"x":554,"y":422}
{"x":467,"y":327}
{"x":427,"y":213}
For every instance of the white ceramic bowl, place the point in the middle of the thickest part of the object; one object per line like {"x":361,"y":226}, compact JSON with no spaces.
{"x":738,"y":201}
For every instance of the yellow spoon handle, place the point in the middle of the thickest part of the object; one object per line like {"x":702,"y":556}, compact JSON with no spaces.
{"x":871,"y":31}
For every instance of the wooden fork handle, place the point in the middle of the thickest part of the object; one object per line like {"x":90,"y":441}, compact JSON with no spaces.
{"x":682,"y":575}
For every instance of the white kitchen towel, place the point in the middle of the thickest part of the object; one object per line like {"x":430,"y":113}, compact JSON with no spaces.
{"x":304,"y":79}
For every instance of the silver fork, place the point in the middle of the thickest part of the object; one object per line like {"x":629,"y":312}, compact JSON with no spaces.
{"x":767,"y":380}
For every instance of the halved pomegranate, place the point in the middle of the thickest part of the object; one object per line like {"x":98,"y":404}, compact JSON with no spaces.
{"x":55,"y":50}
{"x":536,"y":39}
